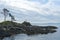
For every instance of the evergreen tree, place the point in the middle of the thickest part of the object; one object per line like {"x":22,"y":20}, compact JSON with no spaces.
{"x":12,"y":17}
{"x":5,"y":12}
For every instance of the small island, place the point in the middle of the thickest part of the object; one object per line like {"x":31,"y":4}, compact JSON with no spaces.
{"x":9,"y":28}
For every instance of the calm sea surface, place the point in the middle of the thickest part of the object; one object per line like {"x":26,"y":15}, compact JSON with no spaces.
{"x":50,"y":36}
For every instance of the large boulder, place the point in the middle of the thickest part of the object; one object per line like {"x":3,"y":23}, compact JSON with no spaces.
{"x":26,"y":23}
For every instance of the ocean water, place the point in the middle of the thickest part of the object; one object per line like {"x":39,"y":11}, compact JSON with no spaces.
{"x":50,"y":36}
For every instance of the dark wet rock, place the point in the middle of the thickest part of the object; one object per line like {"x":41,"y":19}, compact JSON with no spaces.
{"x":26,"y":23}
{"x":9,"y":28}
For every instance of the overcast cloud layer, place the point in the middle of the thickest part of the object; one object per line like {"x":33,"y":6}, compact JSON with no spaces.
{"x":44,"y":11}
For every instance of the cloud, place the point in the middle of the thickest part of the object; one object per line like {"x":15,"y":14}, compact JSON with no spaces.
{"x":49,"y":9}
{"x":40,"y":1}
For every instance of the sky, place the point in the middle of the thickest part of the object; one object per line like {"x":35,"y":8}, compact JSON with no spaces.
{"x":42,"y":11}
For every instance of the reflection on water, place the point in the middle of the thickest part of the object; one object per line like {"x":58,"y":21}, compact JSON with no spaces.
{"x":49,"y":36}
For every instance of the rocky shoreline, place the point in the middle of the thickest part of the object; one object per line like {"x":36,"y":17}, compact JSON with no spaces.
{"x":9,"y":28}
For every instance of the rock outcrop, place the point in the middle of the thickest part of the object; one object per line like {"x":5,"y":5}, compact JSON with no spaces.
{"x":9,"y":28}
